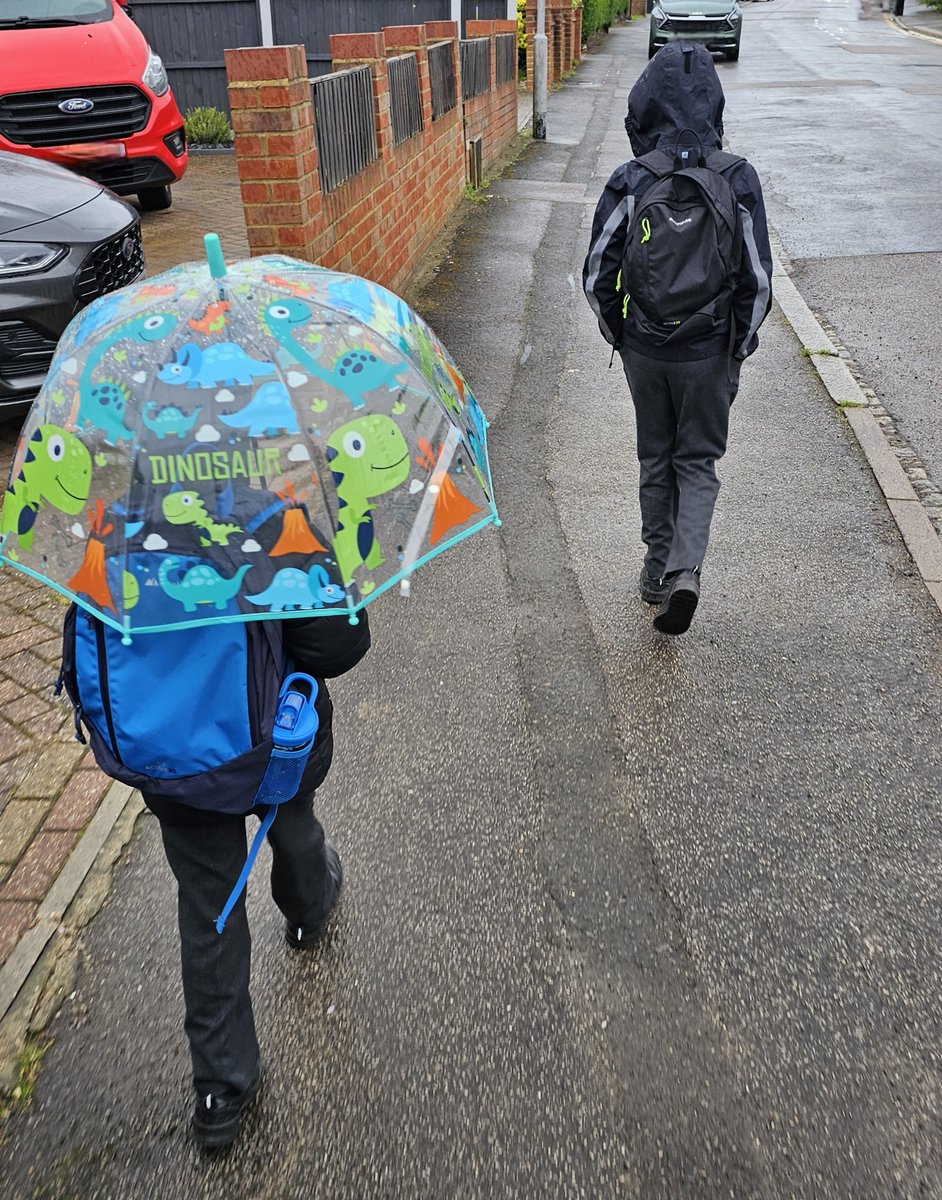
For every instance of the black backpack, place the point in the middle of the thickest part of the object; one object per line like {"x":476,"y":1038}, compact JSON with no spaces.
{"x":684,"y":247}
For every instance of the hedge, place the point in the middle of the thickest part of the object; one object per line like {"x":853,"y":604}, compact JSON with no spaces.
{"x":600,"y":14}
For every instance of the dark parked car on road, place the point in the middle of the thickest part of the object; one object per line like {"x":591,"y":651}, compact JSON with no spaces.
{"x":64,"y":240}
{"x":717,"y":24}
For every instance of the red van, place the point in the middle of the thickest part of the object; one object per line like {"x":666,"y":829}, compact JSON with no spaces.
{"x":80,"y":86}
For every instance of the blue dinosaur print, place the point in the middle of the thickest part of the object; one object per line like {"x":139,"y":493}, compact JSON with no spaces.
{"x":292,"y":589}
{"x":168,"y":421}
{"x":93,"y":317}
{"x":223,"y":364}
{"x":269,"y":412}
{"x":354,"y":373}
{"x":353,"y":295}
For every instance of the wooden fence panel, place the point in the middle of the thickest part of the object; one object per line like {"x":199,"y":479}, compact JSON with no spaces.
{"x":301,"y":23}
{"x":482,"y":10}
{"x":191,"y":35}
{"x":190,"y":38}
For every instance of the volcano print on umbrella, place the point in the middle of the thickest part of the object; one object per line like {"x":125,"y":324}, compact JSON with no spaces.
{"x":233,"y":443}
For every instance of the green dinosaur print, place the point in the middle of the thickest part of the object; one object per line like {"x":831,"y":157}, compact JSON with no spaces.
{"x":56,"y":470}
{"x":186,"y":508}
{"x":368,"y":457}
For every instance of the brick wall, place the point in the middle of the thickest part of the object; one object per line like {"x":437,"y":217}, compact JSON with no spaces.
{"x":380,"y":223}
{"x":563,"y":38}
{"x":493,"y":115}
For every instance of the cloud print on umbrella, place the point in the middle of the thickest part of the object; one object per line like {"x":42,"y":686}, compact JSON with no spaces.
{"x":265,"y":437}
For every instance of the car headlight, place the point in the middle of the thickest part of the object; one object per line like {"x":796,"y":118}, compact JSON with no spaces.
{"x":660,"y":17}
{"x":155,"y":75}
{"x":28,"y":258}
{"x":732,"y":18}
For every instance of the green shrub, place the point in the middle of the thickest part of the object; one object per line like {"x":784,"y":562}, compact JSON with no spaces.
{"x":598,"y":15}
{"x":207,"y":127}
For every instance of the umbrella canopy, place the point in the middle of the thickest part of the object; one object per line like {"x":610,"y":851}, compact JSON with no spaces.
{"x":271,"y":438}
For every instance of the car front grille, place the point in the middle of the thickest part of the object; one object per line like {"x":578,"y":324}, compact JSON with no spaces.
{"x":23,"y":350}
{"x":698,"y":27}
{"x":35,"y":119}
{"x":111,"y":265}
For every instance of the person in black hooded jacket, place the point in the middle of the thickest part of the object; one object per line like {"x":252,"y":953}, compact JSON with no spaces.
{"x":682,"y":381}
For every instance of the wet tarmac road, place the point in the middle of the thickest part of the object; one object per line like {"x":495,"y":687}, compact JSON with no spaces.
{"x":623,"y":916}
{"x":843,"y":119}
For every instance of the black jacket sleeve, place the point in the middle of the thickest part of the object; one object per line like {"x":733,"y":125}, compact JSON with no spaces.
{"x":601,"y":274}
{"x":752,"y":298}
{"x":327,"y":646}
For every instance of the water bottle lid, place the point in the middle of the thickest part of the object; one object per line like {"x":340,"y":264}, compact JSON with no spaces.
{"x":289,"y":711}
{"x":296,"y":719}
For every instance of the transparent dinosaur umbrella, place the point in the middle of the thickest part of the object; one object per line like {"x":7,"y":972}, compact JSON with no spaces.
{"x":233,"y":443}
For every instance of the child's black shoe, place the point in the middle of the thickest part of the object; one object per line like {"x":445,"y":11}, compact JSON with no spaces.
{"x":305,"y":936}
{"x":216,"y":1121}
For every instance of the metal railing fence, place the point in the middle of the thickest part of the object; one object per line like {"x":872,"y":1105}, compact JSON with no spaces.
{"x":344,"y":124}
{"x":405,"y":102}
{"x":505,"y":58}
{"x":475,"y":67}
{"x":441,"y":69}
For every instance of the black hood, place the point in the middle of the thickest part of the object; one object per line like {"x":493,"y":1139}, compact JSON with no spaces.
{"x":679,"y":89}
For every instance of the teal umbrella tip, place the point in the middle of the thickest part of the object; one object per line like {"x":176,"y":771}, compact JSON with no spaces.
{"x":217,"y":264}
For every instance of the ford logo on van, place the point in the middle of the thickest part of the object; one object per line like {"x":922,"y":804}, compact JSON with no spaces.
{"x":78,"y":104}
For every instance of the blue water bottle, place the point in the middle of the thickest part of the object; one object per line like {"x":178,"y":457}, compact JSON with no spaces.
{"x":293,"y":735}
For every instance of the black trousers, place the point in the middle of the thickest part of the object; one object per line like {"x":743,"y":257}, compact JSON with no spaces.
{"x":682,"y":416}
{"x":206,"y":854}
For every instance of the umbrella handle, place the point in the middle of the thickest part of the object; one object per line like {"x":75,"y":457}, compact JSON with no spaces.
{"x":214,"y":256}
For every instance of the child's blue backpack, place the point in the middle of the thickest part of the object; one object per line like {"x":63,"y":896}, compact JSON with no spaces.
{"x":211,"y":717}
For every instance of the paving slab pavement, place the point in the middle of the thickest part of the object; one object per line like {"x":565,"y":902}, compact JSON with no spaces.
{"x":51,"y":791}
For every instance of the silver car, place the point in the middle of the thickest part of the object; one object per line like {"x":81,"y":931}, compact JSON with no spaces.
{"x":716,"y":24}
{"x":64,"y":241}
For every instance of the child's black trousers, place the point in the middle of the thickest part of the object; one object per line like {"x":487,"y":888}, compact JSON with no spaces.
{"x":206,"y":858}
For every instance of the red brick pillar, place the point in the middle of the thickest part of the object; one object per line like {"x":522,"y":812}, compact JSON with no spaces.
{"x":367,"y":49}
{"x":485,"y":29}
{"x":276,"y":154}
{"x":412,"y":39}
{"x":530,"y":23}
{"x":577,"y":33}
{"x":556,"y":44}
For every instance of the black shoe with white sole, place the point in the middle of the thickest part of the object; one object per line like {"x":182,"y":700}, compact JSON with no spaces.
{"x":216,"y":1120}
{"x":303,"y":937}
{"x":680,"y":603}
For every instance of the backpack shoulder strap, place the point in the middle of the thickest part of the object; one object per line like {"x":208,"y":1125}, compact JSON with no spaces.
{"x":722,"y":160}
{"x":657,"y":162}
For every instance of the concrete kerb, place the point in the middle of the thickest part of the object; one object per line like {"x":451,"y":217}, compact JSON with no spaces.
{"x":917,"y":31}
{"x":917,"y":531}
{"x":19,"y":978}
